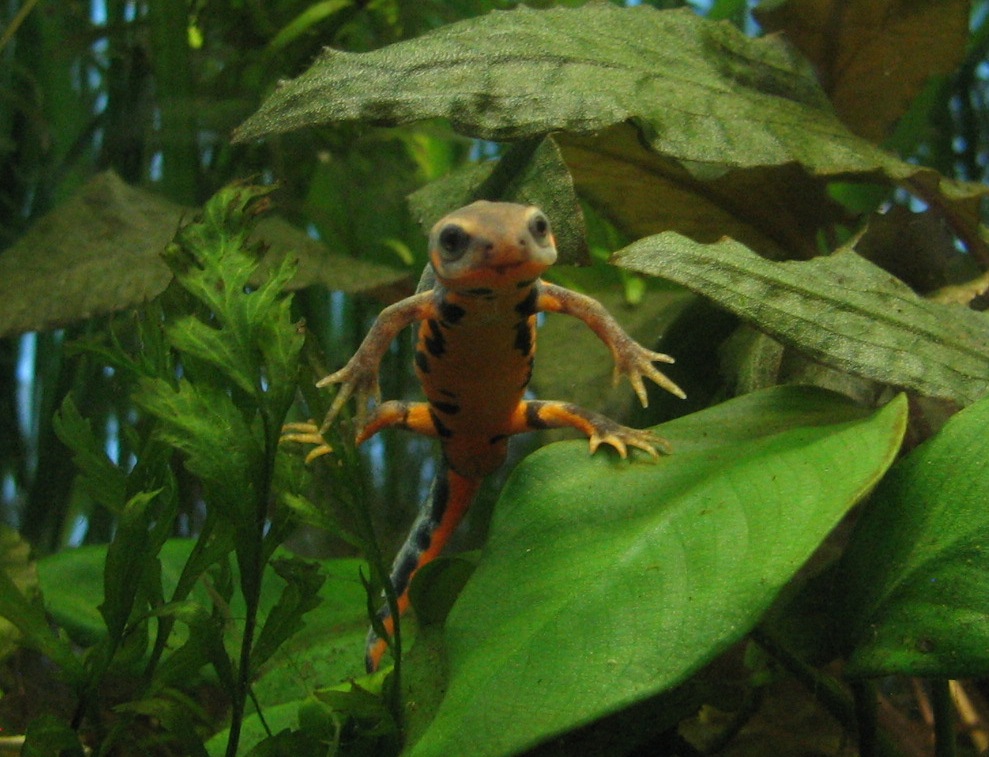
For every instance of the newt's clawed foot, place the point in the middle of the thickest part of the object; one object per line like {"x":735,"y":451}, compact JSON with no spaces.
{"x":306,"y":433}
{"x":622,"y":437}
{"x":636,"y":362}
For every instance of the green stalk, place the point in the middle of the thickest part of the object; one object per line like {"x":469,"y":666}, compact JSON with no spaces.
{"x":944,"y":718}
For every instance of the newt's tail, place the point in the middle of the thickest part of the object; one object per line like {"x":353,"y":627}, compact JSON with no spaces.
{"x":449,"y":497}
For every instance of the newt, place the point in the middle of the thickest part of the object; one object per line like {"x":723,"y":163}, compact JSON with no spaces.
{"x":474,"y":359}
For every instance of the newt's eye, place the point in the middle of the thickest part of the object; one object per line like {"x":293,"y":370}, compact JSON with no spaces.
{"x":539,"y":228}
{"x":453,"y":241}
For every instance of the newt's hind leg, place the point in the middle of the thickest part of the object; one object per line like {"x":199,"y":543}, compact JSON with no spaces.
{"x":535,"y":415}
{"x":414,"y":416}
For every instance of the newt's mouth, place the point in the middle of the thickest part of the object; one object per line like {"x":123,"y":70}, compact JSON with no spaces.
{"x":502,"y":268}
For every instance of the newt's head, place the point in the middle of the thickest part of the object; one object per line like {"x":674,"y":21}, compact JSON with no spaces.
{"x":491,"y":244}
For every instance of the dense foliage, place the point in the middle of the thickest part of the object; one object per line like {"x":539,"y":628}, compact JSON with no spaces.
{"x":205,"y":204}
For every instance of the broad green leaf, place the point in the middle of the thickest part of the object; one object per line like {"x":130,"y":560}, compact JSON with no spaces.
{"x":101,"y":252}
{"x":840,"y":310}
{"x":775,"y":210}
{"x":700,"y":92}
{"x":917,"y":566}
{"x":72,"y":586}
{"x":873,"y":57}
{"x":532,"y":173}
{"x":525,"y":73}
{"x":606,"y":582}
{"x":707,"y":103}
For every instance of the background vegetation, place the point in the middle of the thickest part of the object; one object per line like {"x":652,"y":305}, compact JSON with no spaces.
{"x":795,"y":197}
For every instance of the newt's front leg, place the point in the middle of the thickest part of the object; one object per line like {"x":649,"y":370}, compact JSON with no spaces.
{"x":631,"y":358}
{"x":359,"y":377}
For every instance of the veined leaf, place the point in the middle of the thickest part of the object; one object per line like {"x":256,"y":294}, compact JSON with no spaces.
{"x":605,"y":582}
{"x":101,"y":251}
{"x":705,"y":99}
{"x":917,"y":566}
{"x":776,"y":210}
{"x":873,"y":57}
{"x":840,"y":310}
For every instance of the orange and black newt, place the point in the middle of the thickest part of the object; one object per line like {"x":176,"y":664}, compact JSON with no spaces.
{"x":474,"y":359}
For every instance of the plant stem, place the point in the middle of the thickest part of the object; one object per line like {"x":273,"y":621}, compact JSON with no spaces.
{"x":827,"y":690}
{"x":944,"y":718}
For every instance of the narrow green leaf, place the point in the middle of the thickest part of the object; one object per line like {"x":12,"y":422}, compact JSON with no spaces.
{"x":30,"y":620}
{"x":917,"y":566}
{"x":98,"y":476}
{"x":606,"y":582}
{"x":129,"y":561}
{"x":17,"y":565}
{"x":284,"y":620}
{"x":840,"y":310}
{"x":47,"y":735}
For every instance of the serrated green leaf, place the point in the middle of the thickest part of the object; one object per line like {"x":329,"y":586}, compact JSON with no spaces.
{"x":525,"y":73}
{"x":606,"y":582}
{"x":98,"y":476}
{"x":840,"y":310}
{"x":917,"y":565}
{"x":219,"y":444}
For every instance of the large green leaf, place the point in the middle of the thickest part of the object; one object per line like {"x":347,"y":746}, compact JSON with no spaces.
{"x":525,"y":73}
{"x":916,"y":570}
{"x":873,"y":56}
{"x":100,"y":251}
{"x":730,"y":132}
{"x":840,"y":310}
{"x":605,"y":582}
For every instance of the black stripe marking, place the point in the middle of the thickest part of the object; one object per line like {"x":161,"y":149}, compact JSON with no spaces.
{"x":421,"y":361}
{"x":526,"y":283}
{"x":532,"y":418}
{"x":441,"y":429}
{"x":480,"y":292}
{"x":434,"y":339}
{"x":523,"y":337}
{"x":448,"y":408}
{"x":451,"y":314}
{"x":527,"y":306}
{"x":528,"y":371}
